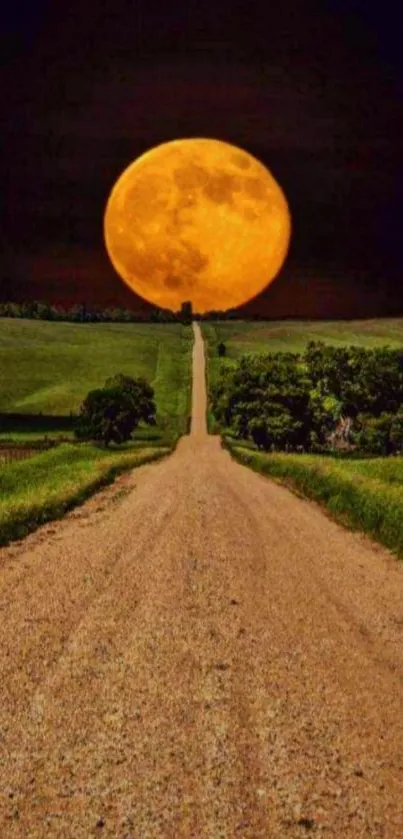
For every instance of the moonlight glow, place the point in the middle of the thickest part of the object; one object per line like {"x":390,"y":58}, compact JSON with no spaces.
{"x":197,"y":220}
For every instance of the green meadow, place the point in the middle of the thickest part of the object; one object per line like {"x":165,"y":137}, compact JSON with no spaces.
{"x":48,"y":368}
{"x":243,"y":337}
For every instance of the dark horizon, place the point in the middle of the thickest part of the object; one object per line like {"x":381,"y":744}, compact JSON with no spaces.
{"x":313,"y":92}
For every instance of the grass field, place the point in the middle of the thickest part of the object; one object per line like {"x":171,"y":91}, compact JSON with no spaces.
{"x":363,"y":494}
{"x":292,"y":336}
{"x":45,"y":486}
{"x":49,"y":368}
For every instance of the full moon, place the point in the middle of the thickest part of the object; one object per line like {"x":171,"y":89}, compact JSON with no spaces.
{"x":197,"y":220}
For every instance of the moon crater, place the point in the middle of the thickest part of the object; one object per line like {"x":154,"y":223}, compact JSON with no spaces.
{"x":241,"y":160}
{"x":221,"y":187}
{"x":191,"y":176}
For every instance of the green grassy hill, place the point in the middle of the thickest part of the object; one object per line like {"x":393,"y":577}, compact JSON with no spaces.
{"x":49,"y":367}
{"x":293,"y":336}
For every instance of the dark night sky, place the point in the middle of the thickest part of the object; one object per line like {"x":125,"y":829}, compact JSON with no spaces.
{"x":313,"y":89}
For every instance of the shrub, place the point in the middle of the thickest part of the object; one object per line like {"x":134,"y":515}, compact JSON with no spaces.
{"x":278,"y":431}
{"x":396,"y":432}
{"x":380,"y":435}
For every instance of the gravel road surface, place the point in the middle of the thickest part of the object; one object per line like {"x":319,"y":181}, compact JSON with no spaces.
{"x":196,"y":652}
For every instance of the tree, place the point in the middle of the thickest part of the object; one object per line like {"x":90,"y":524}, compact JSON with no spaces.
{"x":111,"y":414}
{"x":363,"y":381}
{"x":221,"y":349}
{"x":267,"y":398}
{"x":330,"y":397}
{"x":140,"y":392}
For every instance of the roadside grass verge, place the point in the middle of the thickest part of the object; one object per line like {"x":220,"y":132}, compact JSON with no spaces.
{"x":47,"y":485}
{"x":172,"y":383}
{"x":214,"y":365}
{"x":362,"y":494}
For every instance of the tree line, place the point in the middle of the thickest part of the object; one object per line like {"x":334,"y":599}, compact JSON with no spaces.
{"x":323,"y":399}
{"x":84,"y":313}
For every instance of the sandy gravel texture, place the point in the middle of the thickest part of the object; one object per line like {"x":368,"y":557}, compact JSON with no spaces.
{"x":196,"y":652}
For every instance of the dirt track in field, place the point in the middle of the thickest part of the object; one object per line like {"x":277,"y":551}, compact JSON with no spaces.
{"x":196,"y":652}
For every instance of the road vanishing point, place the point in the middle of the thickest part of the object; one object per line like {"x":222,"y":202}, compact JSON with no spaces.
{"x":196,"y":652}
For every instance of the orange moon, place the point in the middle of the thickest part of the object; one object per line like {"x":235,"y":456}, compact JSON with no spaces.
{"x":198,"y":220}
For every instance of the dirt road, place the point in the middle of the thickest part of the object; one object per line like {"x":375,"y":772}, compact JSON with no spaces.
{"x":198,"y":653}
